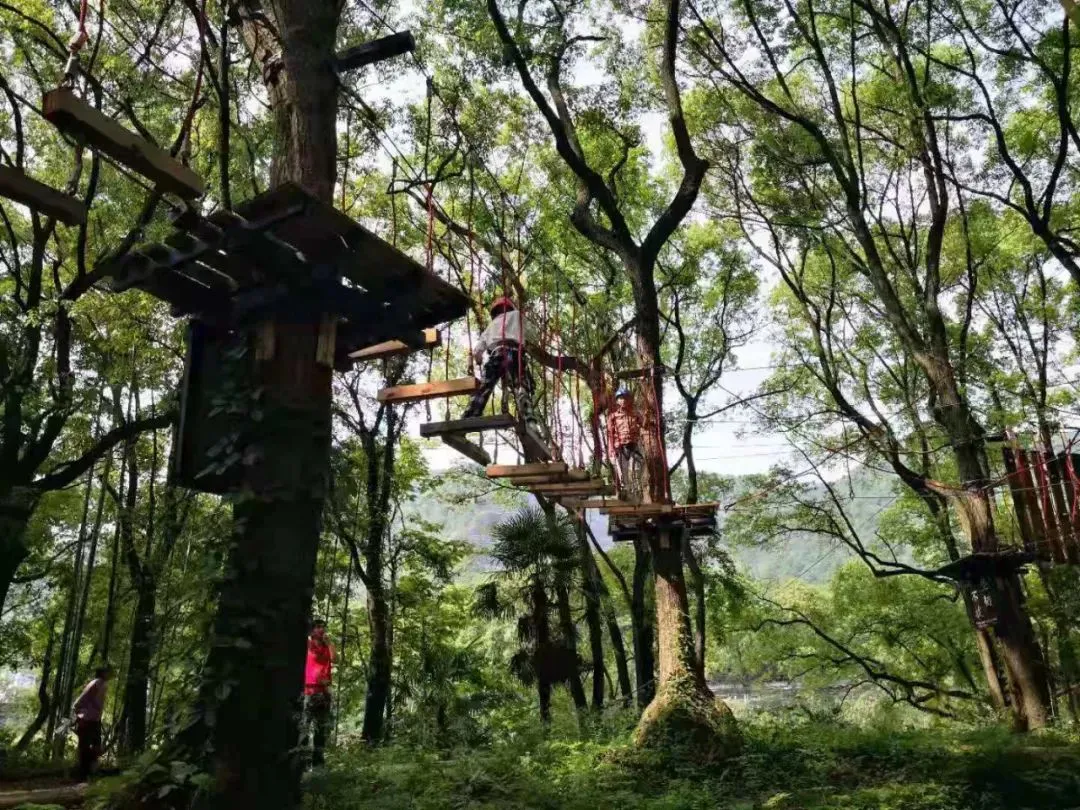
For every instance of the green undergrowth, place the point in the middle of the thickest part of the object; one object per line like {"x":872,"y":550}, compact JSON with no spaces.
{"x":782,"y":767}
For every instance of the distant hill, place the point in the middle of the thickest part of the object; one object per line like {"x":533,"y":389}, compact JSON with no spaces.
{"x":470,"y":518}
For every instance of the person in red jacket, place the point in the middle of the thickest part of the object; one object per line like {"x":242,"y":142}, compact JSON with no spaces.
{"x":318,"y":677}
{"x":624,"y":442}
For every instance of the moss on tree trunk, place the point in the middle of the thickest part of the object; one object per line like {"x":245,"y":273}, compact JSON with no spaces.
{"x":685,"y":720}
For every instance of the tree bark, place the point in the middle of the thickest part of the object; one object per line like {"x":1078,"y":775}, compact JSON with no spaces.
{"x":569,"y":641}
{"x":542,"y":641}
{"x":643,"y":628}
{"x":249,"y":697}
{"x":591,"y":590}
{"x":380,"y":460}
{"x":44,"y":704}
{"x":137,"y":681}
{"x":697,"y":583}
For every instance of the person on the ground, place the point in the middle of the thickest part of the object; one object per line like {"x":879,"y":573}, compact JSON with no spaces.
{"x":624,"y":441}
{"x":318,"y":678}
{"x":87,"y":711}
{"x":506,"y":341}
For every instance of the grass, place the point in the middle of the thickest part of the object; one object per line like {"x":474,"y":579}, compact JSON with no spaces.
{"x":784,"y":767}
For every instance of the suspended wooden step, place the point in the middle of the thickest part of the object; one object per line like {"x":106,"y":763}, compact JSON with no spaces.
{"x":88,"y":125}
{"x":471,"y":451}
{"x":17,"y":186}
{"x":573,"y":488}
{"x":522,"y":470}
{"x":639,"y":509}
{"x":580,"y":504}
{"x":397,"y":348}
{"x":466,"y":386}
{"x":474,"y":424}
{"x":569,"y":477}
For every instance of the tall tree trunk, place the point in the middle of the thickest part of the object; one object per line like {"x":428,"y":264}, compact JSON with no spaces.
{"x":697,"y":585}
{"x":1021,"y":654}
{"x":618,"y":647}
{"x":44,"y":704}
{"x":249,"y":698}
{"x":642,"y":621}
{"x":569,"y":641}
{"x":591,"y":590}
{"x":542,"y":640}
{"x":137,"y":682}
{"x":16,"y":507}
{"x":380,"y":476}
{"x":66,"y":670}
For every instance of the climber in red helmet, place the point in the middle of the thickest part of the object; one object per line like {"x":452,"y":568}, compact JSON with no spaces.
{"x":505,"y":341}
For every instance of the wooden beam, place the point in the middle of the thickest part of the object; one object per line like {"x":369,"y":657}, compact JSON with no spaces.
{"x":550,"y":478}
{"x":467,"y":448}
{"x":86,"y":124}
{"x":643,"y":509}
{"x":17,"y":186}
{"x":396,"y":348}
{"x":518,"y":470}
{"x":573,"y":488}
{"x":474,"y":424}
{"x":368,"y":53}
{"x":430,"y":390}
{"x":576,"y":504}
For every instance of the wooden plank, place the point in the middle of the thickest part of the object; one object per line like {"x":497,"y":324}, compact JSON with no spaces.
{"x":429,"y":390}
{"x":17,"y":186}
{"x":572,"y":476}
{"x":368,"y":53}
{"x":573,"y":488}
{"x":326,"y":235}
{"x":518,"y":470}
{"x":641,"y":509}
{"x":472,"y":425}
{"x":397,"y":348}
{"x":75,"y":117}
{"x":575,"y":504}
{"x":467,"y":448}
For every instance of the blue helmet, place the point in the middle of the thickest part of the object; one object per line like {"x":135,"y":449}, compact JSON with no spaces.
{"x":622,"y":392}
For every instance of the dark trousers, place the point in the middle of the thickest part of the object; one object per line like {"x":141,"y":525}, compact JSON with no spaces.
{"x":89,"y":734}
{"x":317,"y":724}
{"x":507,"y":362}
{"x":630,"y":460}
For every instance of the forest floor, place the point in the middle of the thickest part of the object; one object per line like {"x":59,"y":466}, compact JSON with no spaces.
{"x":810,"y":766}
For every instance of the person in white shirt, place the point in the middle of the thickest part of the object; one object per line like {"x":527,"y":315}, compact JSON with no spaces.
{"x":505,"y":341}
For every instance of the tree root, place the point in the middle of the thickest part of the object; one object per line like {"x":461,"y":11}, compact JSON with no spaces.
{"x":685,"y":721}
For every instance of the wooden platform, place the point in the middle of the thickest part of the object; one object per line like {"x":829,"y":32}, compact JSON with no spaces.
{"x":397,"y":348}
{"x":579,"y":504}
{"x":466,"y":386}
{"x":522,"y":470}
{"x":283,"y":254}
{"x":569,"y":477}
{"x":474,"y":424}
{"x":627,"y":521}
{"x":572,"y":488}
{"x":23,"y":189}
{"x":86,"y":124}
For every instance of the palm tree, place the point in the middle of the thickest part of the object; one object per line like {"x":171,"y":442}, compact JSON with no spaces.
{"x":537,"y":558}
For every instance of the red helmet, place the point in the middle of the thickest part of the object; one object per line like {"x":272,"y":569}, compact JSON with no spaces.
{"x":501,"y":303}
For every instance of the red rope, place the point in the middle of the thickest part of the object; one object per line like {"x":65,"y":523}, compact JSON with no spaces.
{"x":1071,"y":471}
